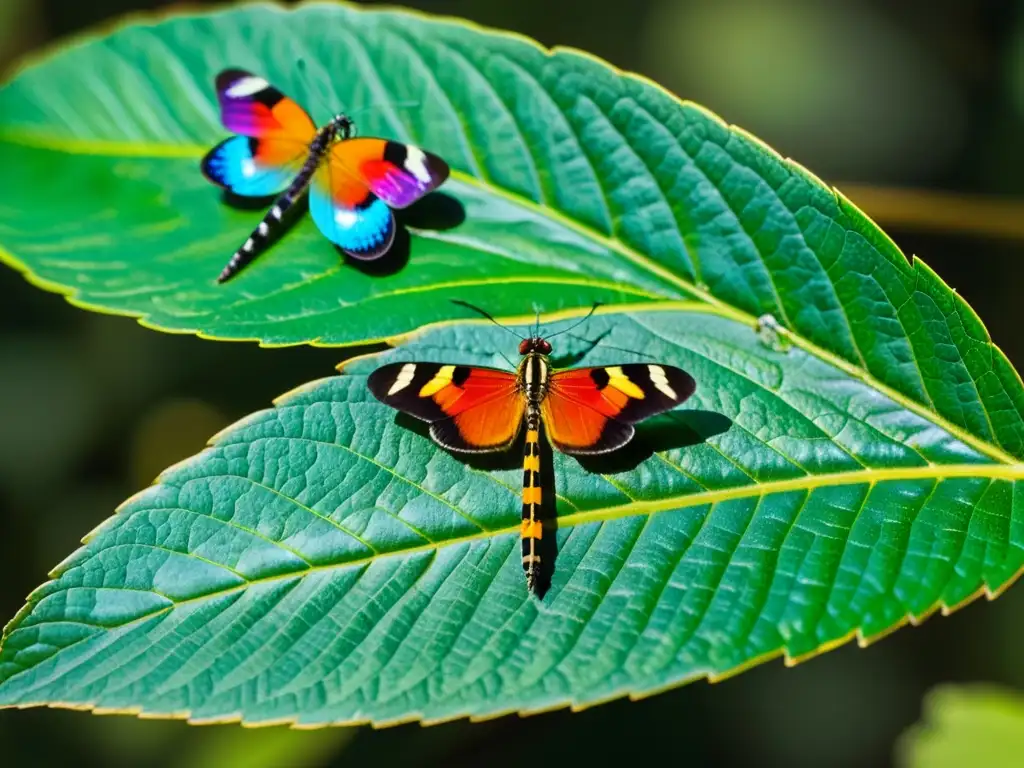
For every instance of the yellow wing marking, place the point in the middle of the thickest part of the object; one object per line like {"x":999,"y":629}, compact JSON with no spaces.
{"x":441,"y":379}
{"x":619,"y":380}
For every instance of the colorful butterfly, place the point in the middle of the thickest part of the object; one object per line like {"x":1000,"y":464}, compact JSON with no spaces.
{"x":583,"y":410}
{"x":354,"y":183}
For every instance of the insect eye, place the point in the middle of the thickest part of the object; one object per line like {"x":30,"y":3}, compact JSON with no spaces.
{"x":545,"y":347}
{"x":524,"y":346}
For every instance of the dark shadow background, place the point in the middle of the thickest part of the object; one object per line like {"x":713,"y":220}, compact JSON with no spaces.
{"x":925,"y":93}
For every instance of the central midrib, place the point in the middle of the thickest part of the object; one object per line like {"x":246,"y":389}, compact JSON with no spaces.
{"x":171,"y":151}
{"x":805,"y":483}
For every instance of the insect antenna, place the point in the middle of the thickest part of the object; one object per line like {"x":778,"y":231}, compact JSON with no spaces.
{"x":331,"y":107}
{"x":479,"y":311}
{"x":598,"y":343}
{"x":378,"y":104}
{"x":375,"y":105}
{"x":321,"y":96}
{"x":579,"y":322}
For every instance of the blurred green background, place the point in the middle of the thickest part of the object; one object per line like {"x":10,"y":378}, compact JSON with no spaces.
{"x":924,"y":94}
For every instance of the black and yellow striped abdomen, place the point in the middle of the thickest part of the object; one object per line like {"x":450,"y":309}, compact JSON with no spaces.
{"x":531,"y":529}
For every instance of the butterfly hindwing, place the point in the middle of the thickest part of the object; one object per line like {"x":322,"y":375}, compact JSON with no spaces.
{"x":250,"y":106}
{"x":254,"y":167}
{"x":398,"y":174}
{"x":574,"y":428}
{"x":592,"y":410}
{"x":350,"y":215}
{"x":469,"y":409}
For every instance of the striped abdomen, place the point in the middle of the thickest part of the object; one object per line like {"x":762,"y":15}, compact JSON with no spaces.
{"x":531,"y":530}
{"x":252,"y":247}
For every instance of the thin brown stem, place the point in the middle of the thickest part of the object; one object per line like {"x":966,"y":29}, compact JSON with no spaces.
{"x":928,"y":210}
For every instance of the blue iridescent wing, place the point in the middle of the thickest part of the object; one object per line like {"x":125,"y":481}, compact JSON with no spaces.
{"x":350,"y":215}
{"x":254,"y":167}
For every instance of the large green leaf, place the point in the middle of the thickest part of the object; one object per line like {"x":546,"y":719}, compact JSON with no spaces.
{"x":126,"y":223}
{"x":324,"y":562}
{"x":578,"y":182}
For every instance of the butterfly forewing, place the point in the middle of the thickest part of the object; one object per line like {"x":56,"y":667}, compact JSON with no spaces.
{"x":250,"y":106}
{"x":592,"y":410}
{"x":469,"y":409}
{"x":399,"y":174}
{"x":275,"y":133}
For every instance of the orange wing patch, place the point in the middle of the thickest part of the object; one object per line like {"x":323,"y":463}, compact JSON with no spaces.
{"x":572,"y":426}
{"x":493,"y":425}
{"x":294,"y":123}
{"x":576,"y":411}
{"x":278,"y":153}
{"x":485,"y":406}
{"x":592,"y":410}
{"x":469,"y":409}
{"x":584,"y":386}
{"x":358,"y":157}
{"x":342,"y":188}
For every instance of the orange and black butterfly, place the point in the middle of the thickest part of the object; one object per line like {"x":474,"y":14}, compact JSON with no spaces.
{"x":584,"y":411}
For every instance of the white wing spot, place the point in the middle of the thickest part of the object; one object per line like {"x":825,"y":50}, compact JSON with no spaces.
{"x":276,"y":212}
{"x":345,"y":218}
{"x":660,"y":380}
{"x":263,"y":228}
{"x":247,"y":86}
{"x":403,"y":378}
{"x":416,"y":164}
{"x":248,"y":245}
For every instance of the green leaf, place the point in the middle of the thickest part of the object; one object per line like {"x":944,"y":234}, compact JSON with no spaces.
{"x":126,"y":223}
{"x":579,"y":183}
{"x":323,"y":562}
{"x":966,"y":725}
